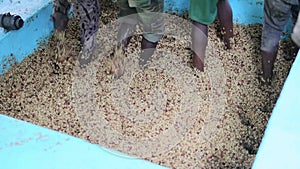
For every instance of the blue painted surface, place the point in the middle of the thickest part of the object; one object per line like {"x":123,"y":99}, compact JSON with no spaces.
{"x":177,"y":6}
{"x":247,"y":11}
{"x":20,"y":43}
{"x":280,"y":146}
{"x":25,"y":8}
{"x":27,"y":146}
{"x":244,"y":11}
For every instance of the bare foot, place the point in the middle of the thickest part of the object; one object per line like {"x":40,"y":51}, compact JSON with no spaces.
{"x":198,"y":62}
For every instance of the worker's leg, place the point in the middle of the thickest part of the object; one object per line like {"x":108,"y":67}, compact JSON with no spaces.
{"x":128,"y":20}
{"x":202,"y":14}
{"x":88,"y":13}
{"x":276,"y":15}
{"x":294,"y":47}
{"x":60,"y":20}
{"x":296,"y":32}
{"x":60,"y":14}
{"x":199,"y":44}
{"x":152,"y":22}
{"x":225,"y":16}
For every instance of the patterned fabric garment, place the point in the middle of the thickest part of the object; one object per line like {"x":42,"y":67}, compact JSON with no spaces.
{"x":88,"y":13}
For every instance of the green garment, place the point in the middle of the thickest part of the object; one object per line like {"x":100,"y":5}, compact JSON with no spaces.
{"x":203,"y":11}
{"x":147,"y":13}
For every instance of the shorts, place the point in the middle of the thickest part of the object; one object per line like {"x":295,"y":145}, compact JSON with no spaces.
{"x":203,"y":11}
{"x":147,"y":13}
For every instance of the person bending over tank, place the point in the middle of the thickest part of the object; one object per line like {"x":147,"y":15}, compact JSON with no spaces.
{"x":148,"y":14}
{"x":202,"y":14}
{"x":276,"y":16}
{"x":88,"y":13}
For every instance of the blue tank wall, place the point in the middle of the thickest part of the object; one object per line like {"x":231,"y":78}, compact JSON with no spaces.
{"x":253,"y":14}
{"x":281,"y":140}
{"x":18,"y":44}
